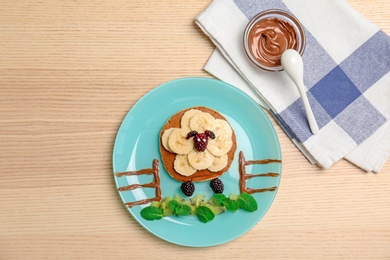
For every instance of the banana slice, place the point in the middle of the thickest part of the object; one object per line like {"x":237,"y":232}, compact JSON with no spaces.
{"x":200,"y":160}
{"x":219,"y":163}
{"x":185,"y":119}
{"x":221,"y":145}
{"x":182,"y":165}
{"x":178,"y":143}
{"x":201,"y":122}
{"x":165,"y":137}
{"x":222,"y":126}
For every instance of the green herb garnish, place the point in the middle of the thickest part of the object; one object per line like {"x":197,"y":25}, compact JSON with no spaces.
{"x":179,"y":209}
{"x":222,"y":201}
{"x":219,"y":199}
{"x":152,"y":213}
{"x":204,"y":214}
{"x":204,"y":209}
{"x":247,"y":202}
{"x":232,"y":205}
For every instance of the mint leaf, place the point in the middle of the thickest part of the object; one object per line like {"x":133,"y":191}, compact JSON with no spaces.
{"x":219,"y":199}
{"x":151,"y":213}
{"x":172,"y":205}
{"x":183,"y":210}
{"x":179,"y":209}
{"x":247,"y":202}
{"x":232,"y":205}
{"x":204,"y":214}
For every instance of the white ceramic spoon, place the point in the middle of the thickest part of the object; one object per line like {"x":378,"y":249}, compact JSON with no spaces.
{"x":293,"y":65}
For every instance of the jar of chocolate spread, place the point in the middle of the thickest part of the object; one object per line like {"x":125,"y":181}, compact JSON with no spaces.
{"x":269,"y":34}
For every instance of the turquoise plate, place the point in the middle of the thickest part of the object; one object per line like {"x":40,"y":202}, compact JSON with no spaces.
{"x":137,"y":144}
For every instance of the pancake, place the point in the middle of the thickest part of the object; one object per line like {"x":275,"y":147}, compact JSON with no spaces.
{"x":169,"y":157}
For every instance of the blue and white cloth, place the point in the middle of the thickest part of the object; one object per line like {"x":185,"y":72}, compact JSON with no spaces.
{"x":346,"y":72}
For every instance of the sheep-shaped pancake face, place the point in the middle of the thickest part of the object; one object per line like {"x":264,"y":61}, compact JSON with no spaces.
{"x":200,"y":141}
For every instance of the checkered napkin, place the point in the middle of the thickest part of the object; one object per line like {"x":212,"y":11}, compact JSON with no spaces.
{"x":346,"y":72}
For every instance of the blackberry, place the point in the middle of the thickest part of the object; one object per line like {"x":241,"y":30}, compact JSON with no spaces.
{"x":210,"y":134}
{"x":216,"y":185}
{"x":200,"y":139}
{"x":191,"y":134}
{"x":200,"y":142}
{"x":187,"y":188}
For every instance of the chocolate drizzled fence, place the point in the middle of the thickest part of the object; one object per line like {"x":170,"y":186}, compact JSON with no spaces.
{"x":244,"y":176}
{"x":154,"y":184}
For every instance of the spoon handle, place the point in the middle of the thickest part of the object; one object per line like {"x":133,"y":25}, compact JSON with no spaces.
{"x":309,"y":113}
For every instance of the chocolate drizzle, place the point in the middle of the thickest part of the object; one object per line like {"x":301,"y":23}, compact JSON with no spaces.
{"x":244,"y":176}
{"x":154,"y":184}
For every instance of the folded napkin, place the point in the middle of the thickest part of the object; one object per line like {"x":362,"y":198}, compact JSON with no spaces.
{"x":346,"y":72}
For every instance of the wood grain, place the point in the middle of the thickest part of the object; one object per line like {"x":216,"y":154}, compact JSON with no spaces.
{"x":69,"y":73}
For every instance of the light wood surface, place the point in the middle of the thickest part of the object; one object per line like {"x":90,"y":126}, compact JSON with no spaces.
{"x":69,"y":73}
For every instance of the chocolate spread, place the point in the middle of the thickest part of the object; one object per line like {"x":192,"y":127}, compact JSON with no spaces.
{"x":154,"y":184}
{"x":269,"y":38}
{"x":242,"y":163}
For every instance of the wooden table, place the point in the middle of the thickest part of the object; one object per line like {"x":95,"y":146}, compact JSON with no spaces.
{"x":69,"y":73}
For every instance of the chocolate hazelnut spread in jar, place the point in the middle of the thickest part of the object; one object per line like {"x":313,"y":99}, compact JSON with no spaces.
{"x":269,"y":34}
